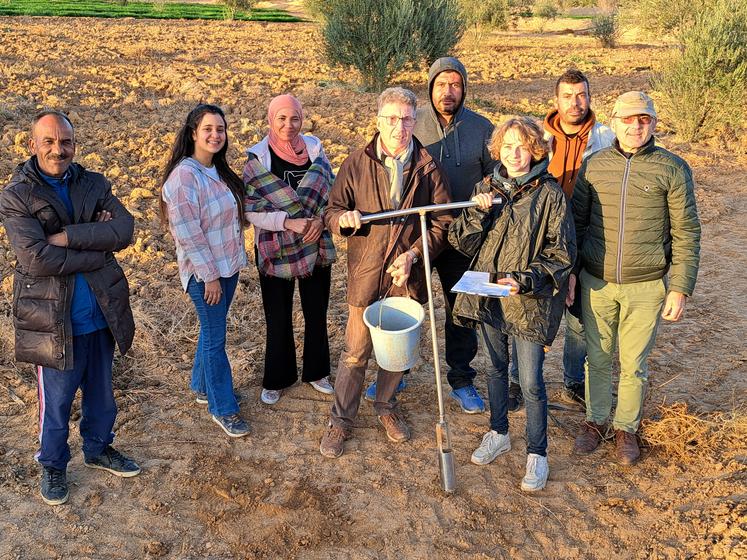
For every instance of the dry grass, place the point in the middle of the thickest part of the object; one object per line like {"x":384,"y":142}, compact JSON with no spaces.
{"x":689,"y":437}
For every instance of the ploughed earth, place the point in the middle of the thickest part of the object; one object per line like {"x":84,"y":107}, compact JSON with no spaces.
{"x":127,"y":85}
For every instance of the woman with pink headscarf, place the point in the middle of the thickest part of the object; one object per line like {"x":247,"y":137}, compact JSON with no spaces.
{"x":287,"y":178}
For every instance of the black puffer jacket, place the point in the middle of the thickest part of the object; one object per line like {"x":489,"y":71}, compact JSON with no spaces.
{"x":45,"y":274}
{"x":530,"y":238}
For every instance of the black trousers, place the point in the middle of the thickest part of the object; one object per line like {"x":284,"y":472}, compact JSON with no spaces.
{"x":280,"y":347}
{"x":461,"y":342}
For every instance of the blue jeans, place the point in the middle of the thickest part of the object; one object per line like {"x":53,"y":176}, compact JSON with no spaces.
{"x":574,"y":352}
{"x":529,"y":356}
{"x":211,"y":372}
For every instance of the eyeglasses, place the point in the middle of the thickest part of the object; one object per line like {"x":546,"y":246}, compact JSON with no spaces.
{"x":392,"y":120}
{"x":643,"y":119}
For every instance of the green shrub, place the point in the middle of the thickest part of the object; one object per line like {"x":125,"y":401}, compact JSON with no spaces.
{"x":231,"y":6}
{"x":437,"y":27}
{"x":662,"y":17}
{"x":316,"y":8}
{"x":490,"y":13}
{"x":546,"y":9}
{"x":703,"y":86}
{"x":380,"y":38}
{"x":521,"y":8}
{"x":604,"y":28}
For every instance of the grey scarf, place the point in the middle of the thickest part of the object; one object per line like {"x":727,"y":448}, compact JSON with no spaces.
{"x":395,"y":167}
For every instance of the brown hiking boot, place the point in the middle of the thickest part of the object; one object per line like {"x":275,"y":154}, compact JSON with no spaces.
{"x":332,"y":444}
{"x":396,"y":429}
{"x":626,"y":447}
{"x":588,"y":438}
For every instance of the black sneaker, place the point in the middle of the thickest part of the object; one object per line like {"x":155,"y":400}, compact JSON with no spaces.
{"x":114,"y":462}
{"x":54,"y":486}
{"x":574,"y":393}
{"x":515,"y":397}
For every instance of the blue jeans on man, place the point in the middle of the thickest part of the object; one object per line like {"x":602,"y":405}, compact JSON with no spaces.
{"x":92,"y":373}
{"x":529,"y":357}
{"x":211,"y":372}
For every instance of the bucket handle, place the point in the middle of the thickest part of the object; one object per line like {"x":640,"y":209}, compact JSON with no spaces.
{"x":381,"y":300}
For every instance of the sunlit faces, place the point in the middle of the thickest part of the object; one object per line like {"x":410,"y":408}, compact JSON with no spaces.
{"x":396,"y":137}
{"x":53,"y":143}
{"x":286,"y":124}
{"x":447,"y":92}
{"x":515,"y":154}
{"x":634,"y":133}
{"x":209,"y":138}
{"x":572,"y":103}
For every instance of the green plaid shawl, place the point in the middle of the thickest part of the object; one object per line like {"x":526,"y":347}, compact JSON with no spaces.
{"x":283,"y":254}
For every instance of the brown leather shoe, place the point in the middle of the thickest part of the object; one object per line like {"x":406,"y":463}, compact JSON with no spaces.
{"x":626,"y":447}
{"x":589,"y":437}
{"x":396,"y":429}
{"x":333,"y":440}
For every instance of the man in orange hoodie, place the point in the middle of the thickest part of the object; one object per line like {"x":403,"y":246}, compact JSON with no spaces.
{"x":574,"y":134}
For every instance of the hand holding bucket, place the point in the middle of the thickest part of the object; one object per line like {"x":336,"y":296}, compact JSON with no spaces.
{"x":445,"y":455}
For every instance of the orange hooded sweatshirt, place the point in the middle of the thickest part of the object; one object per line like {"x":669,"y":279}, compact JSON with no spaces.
{"x":567,"y":150}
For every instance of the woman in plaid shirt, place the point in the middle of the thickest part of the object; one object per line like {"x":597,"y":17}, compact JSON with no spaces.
{"x":201,"y":200}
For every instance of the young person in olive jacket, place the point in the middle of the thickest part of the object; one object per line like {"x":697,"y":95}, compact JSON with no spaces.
{"x":392,"y":171}
{"x":527,"y":244}
{"x":70,"y":297}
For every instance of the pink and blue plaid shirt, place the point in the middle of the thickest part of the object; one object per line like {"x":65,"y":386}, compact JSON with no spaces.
{"x":203,"y":219}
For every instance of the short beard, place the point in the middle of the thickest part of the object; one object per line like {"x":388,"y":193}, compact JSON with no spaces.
{"x":578,"y":121}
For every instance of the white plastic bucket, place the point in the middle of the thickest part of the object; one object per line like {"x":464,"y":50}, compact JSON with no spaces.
{"x":396,"y":341}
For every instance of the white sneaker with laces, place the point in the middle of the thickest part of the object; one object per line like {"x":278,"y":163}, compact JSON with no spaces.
{"x":537,"y":472}
{"x":323,"y":385}
{"x":270,"y":396}
{"x":493,"y":444}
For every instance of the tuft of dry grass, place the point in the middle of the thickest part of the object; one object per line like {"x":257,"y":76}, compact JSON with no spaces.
{"x":688,"y":437}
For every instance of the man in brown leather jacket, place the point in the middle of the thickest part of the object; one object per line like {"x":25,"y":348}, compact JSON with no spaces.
{"x":393,"y":171}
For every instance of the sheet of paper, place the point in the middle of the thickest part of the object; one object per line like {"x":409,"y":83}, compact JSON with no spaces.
{"x":478,"y":283}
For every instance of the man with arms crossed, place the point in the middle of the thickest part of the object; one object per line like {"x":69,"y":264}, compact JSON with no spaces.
{"x":70,"y":297}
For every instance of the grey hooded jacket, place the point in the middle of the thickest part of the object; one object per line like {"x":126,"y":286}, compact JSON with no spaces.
{"x":461,"y":147}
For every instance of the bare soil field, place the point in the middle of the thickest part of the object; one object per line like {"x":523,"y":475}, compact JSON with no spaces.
{"x":127,"y":85}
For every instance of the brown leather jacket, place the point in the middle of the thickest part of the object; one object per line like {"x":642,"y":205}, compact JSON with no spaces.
{"x":363,"y":184}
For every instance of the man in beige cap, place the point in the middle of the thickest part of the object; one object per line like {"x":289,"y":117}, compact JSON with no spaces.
{"x":638,"y":238}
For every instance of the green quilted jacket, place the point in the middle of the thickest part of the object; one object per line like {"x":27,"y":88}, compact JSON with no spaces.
{"x":636,"y":217}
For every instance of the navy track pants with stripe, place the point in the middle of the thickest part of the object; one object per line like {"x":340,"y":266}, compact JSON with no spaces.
{"x":92,"y":373}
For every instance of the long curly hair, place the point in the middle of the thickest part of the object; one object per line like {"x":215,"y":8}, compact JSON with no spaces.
{"x":184,"y":146}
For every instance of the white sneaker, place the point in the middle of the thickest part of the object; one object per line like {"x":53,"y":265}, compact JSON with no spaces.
{"x":493,"y":444}
{"x":537,"y":472}
{"x":323,"y":385}
{"x":270,"y":396}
